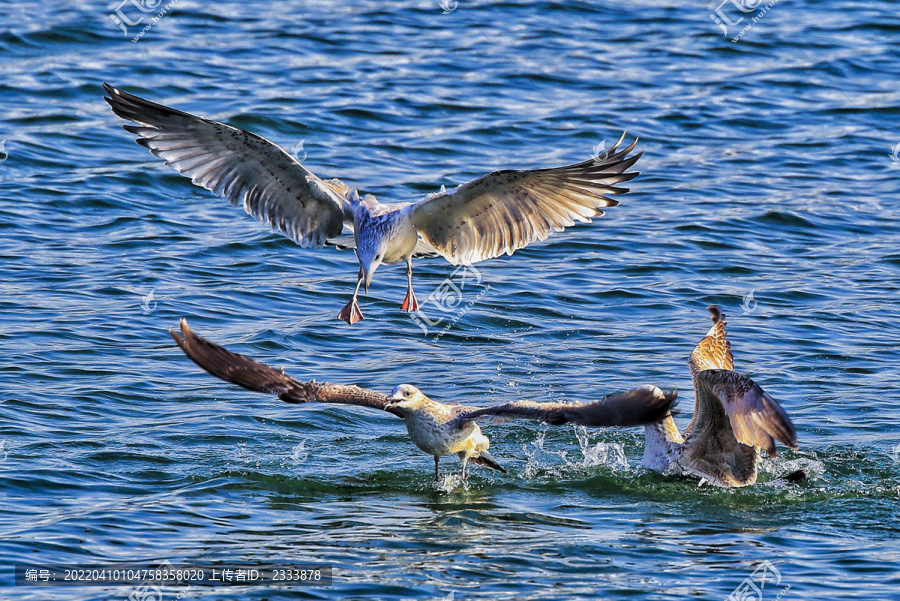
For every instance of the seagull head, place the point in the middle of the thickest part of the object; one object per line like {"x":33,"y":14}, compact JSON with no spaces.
{"x":406,"y":396}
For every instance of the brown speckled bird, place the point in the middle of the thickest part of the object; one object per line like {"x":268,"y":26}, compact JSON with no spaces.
{"x":438,"y":429}
{"x":734,"y":419}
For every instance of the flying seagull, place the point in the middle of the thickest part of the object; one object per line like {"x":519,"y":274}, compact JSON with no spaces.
{"x":495,"y":214}
{"x":438,"y":429}
{"x":734,"y":420}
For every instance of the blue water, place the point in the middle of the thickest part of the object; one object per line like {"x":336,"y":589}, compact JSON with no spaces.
{"x":767,"y":168}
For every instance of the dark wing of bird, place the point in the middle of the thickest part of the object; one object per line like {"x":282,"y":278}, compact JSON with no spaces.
{"x":253,"y":375}
{"x":755,"y":417}
{"x":635,"y":407}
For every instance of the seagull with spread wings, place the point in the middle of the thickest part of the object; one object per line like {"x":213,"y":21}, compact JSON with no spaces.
{"x":733,"y":420}
{"x":495,"y":214}
{"x":438,"y":429}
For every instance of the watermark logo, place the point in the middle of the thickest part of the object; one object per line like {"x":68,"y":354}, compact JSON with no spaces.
{"x":134,"y":18}
{"x":3,"y":154}
{"x":600,"y":153}
{"x":297,"y":151}
{"x":749,"y":304}
{"x":448,"y":297}
{"x":751,"y":589}
{"x":148,"y":303}
{"x":895,"y":152}
{"x":4,"y":454}
{"x":731,"y":13}
{"x":895,"y":454}
{"x":119,"y":17}
{"x":723,"y":21}
{"x":147,"y":591}
{"x":299,"y":453}
{"x":450,"y":597}
{"x":448,"y":6}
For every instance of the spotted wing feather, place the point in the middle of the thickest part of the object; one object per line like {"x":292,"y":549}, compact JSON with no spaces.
{"x":755,"y":418}
{"x":714,"y":350}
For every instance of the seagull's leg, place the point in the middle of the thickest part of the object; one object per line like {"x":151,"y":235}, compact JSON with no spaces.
{"x":351,"y":313}
{"x":465,"y":462}
{"x":437,"y":475}
{"x":409,"y":303}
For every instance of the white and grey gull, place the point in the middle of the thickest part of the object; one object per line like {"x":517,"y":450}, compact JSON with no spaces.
{"x":495,"y":214}
{"x":438,"y":429}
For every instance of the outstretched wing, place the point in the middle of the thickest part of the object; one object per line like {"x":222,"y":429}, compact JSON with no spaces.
{"x":507,"y":210}
{"x":714,"y":351}
{"x":258,"y":377}
{"x":638,"y":406}
{"x":755,"y":418}
{"x":241,"y":167}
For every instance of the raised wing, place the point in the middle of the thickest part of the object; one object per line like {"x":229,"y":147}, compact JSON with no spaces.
{"x":241,"y":167}
{"x":714,"y":351}
{"x":635,"y":407}
{"x":755,"y":418}
{"x":507,"y":210}
{"x":258,"y":377}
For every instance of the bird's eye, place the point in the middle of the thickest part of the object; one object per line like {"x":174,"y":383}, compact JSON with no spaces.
{"x":406,"y":393}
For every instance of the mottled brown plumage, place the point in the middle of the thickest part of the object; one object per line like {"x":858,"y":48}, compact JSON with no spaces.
{"x":434,"y":427}
{"x":258,"y":377}
{"x":714,"y":350}
{"x":733,"y":419}
{"x":437,"y":428}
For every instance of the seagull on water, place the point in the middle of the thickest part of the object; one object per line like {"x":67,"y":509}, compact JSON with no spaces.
{"x":734,"y":420}
{"x":495,"y":214}
{"x":438,"y":429}
{"x":428,"y":422}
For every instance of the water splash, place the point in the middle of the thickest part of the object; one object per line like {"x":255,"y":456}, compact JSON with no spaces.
{"x":542,"y":462}
{"x":781,"y":466}
{"x":607,"y":454}
{"x":449,"y":483}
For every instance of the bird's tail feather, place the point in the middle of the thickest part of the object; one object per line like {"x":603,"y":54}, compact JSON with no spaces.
{"x":486,"y":459}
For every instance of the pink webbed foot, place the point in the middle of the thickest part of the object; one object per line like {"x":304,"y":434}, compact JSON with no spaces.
{"x":410,"y":303}
{"x":351,"y":313}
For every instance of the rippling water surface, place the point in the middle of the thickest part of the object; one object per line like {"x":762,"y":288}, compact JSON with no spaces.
{"x":769,"y":167}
